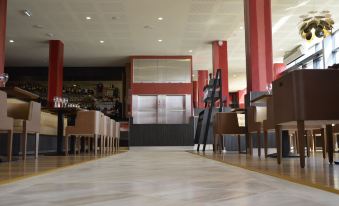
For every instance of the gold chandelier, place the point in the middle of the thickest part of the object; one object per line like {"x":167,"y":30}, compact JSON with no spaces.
{"x":316,"y":25}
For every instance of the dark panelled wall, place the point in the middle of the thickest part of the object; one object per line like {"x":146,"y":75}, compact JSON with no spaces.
{"x":161,"y":135}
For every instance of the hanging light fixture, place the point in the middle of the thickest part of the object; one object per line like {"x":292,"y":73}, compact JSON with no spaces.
{"x":316,"y":25}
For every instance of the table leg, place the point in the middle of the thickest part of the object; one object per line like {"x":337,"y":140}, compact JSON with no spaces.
{"x":259,"y":142}
{"x":60,"y":133}
{"x":301,"y":138}
{"x":323,"y":142}
{"x":329,"y":135}
{"x":278,"y":142}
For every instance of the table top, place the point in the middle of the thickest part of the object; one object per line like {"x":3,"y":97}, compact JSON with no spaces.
{"x":68,"y":111}
{"x":238,"y":110}
{"x":19,"y":93}
{"x":261,"y":99}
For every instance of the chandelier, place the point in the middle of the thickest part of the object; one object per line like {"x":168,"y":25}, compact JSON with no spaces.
{"x":316,"y":25}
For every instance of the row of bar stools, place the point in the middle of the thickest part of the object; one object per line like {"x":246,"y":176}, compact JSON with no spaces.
{"x":99,"y":133}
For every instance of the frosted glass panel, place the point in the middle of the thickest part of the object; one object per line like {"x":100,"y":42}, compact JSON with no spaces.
{"x":162,"y":70}
{"x":145,"y":70}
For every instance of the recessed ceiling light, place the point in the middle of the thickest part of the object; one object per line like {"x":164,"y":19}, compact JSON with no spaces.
{"x":88,"y":17}
{"x":241,"y":28}
{"x":148,"y":27}
{"x":101,"y":41}
{"x":11,"y":41}
{"x":159,"y":40}
{"x":39,"y":26}
{"x":234,"y":75}
{"x":27,"y":12}
{"x":190,"y":51}
{"x":160,"y":18}
{"x":50,"y":34}
{"x":281,"y":49}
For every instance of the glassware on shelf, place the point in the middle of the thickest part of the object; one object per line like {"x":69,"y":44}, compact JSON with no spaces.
{"x":3,"y":79}
{"x":269,"y":89}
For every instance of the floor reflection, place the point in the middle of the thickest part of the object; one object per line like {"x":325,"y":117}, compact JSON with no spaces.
{"x":317,"y":172}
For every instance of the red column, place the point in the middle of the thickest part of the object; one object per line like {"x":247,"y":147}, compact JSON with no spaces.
{"x":258,"y":34}
{"x":3,"y":15}
{"x":202,"y":81}
{"x":195,"y":94}
{"x":219,"y":55}
{"x":56,"y":69}
{"x":278,"y":68}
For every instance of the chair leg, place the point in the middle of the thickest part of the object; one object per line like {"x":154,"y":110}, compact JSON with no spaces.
{"x":308,"y":142}
{"x":24,"y":145}
{"x":239,"y":144}
{"x":265,"y":142}
{"x":66,"y":145}
{"x":250,"y":144}
{"x":259,"y":143}
{"x":322,"y":131}
{"x":95,"y":144}
{"x":10,"y":145}
{"x":297,"y":142}
{"x":37,"y":137}
{"x":301,"y":138}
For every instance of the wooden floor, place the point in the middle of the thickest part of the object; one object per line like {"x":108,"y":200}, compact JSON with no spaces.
{"x":317,"y":172}
{"x":17,"y":170}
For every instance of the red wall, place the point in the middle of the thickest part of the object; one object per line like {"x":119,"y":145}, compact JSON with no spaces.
{"x":195,"y":94}
{"x":220,"y":61}
{"x":3,"y":15}
{"x":241,"y":97}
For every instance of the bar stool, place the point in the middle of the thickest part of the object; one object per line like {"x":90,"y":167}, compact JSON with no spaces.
{"x":226,"y":123}
{"x":6,"y":124}
{"x":87,"y":124}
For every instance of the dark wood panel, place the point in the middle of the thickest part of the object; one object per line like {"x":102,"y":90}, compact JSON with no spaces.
{"x":161,"y":135}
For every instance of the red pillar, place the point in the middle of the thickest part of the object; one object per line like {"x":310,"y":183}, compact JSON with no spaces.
{"x":278,"y":68}
{"x":219,"y":55}
{"x":3,"y":16}
{"x":202,"y":81}
{"x":56,"y":69}
{"x":195,"y":94}
{"x":258,"y":35}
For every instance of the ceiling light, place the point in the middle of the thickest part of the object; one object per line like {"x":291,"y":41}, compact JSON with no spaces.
{"x":101,"y":41}
{"x":159,"y":40}
{"x":234,"y":75}
{"x":38,"y":26}
{"x":280,"y":23}
{"x":241,"y":28}
{"x":11,"y":41}
{"x":160,"y":18}
{"x":88,"y":17}
{"x":115,"y":17}
{"x":316,"y":26}
{"x":27,"y":12}
{"x":281,"y":49}
{"x":190,"y":51}
{"x":50,"y":34}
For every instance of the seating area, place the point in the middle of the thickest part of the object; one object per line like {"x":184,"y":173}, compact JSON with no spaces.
{"x":92,"y":132}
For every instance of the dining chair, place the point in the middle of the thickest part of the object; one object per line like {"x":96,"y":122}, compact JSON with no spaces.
{"x":226,"y":123}
{"x":255,"y":118}
{"x":26,"y":121}
{"x":6,"y":124}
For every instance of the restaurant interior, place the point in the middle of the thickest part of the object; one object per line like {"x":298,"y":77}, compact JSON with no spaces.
{"x":163,"y":102}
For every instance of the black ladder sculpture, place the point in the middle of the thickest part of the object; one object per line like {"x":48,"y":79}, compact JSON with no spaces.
{"x":213,"y":93}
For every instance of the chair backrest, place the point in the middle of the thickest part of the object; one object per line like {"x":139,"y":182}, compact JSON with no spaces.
{"x":88,"y":121}
{"x":226,"y":123}
{"x":103,"y":124}
{"x":18,"y":110}
{"x":113,"y":128}
{"x":117,"y":130}
{"x":34,"y":117}
{"x":3,"y":104}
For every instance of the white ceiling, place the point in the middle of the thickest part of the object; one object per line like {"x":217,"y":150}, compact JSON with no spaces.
{"x":187,"y":25}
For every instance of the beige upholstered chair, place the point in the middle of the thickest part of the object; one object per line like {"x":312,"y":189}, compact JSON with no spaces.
{"x":6,"y":124}
{"x":103,"y":132}
{"x":108,"y":134}
{"x":226,"y":123}
{"x":26,"y":121}
{"x":256,"y":116}
{"x":87,"y":124}
{"x":117,"y":136}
